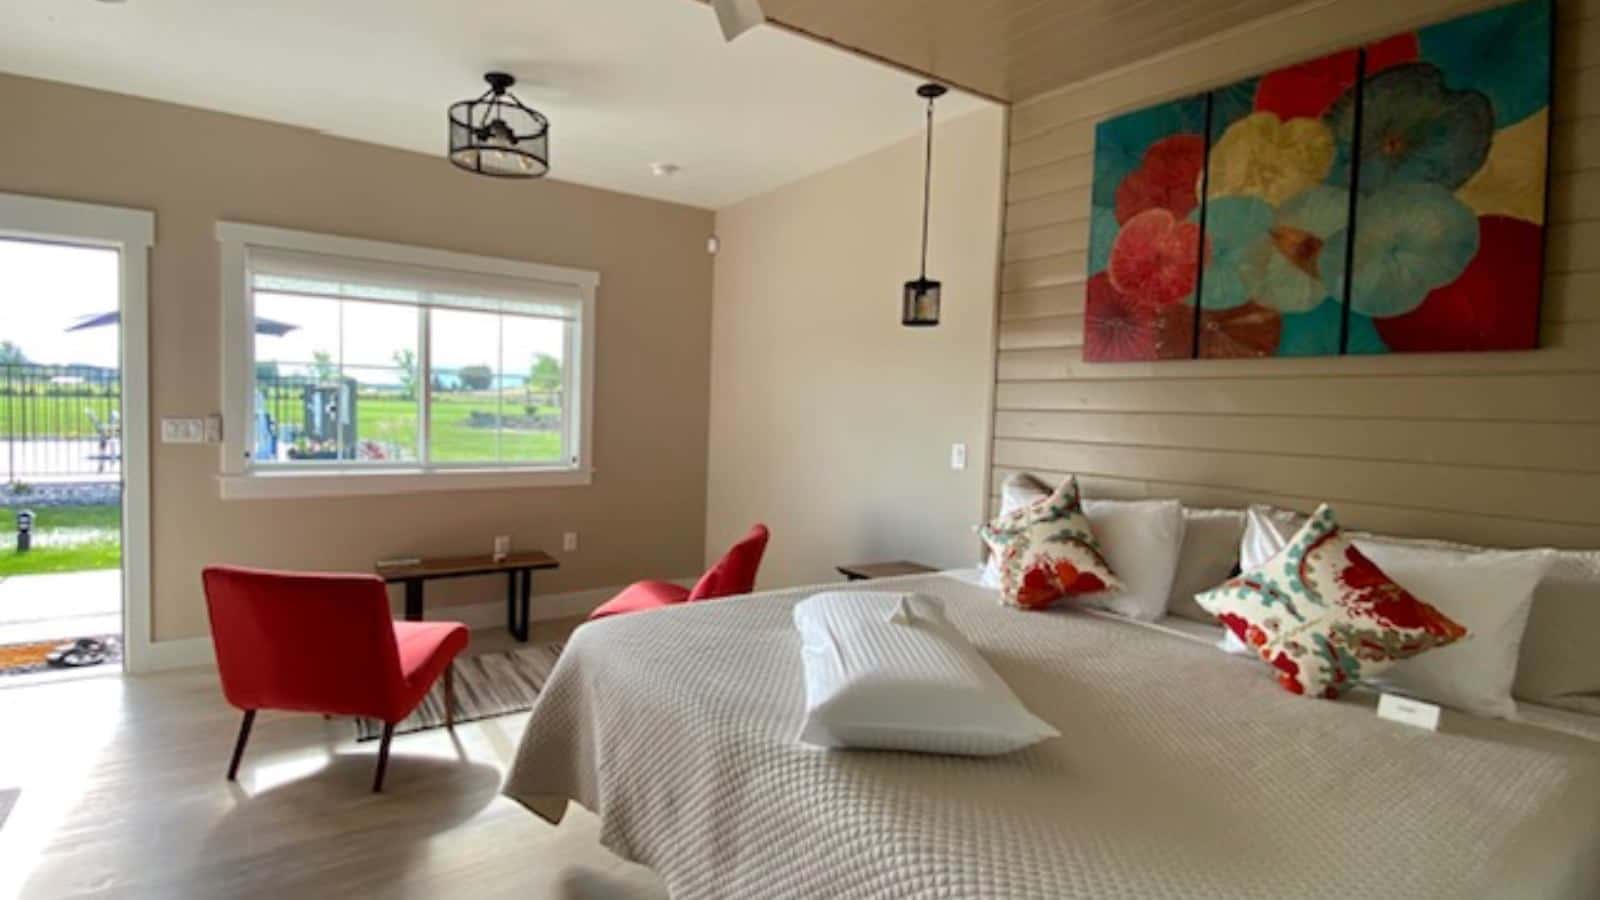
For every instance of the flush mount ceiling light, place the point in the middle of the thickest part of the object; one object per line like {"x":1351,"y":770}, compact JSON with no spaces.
{"x":497,"y":135}
{"x":920,"y":305}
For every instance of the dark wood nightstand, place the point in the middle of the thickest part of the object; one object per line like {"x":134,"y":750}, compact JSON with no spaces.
{"x":868,"y":571}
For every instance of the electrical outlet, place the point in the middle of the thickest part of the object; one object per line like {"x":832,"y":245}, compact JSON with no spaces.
{"x":183,"y":431}
{"x":958,"y":456}
{"x":569,"y":542}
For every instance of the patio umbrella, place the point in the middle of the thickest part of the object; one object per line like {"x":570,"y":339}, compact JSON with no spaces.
{"x":270,"y":327}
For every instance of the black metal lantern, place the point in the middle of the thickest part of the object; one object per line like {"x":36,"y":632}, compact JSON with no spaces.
{"x":497,"y":135}
{"x":920,"y":304}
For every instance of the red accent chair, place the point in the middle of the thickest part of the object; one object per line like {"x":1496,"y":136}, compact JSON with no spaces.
{"x":734,"y":573}
{"x":323,"y":644}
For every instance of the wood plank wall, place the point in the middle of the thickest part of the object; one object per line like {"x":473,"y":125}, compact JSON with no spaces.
{"x":1494,"y":448}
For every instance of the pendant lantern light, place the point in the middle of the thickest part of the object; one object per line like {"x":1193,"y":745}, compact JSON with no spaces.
{"x":920,"y":304}
{"x":497,"y":135}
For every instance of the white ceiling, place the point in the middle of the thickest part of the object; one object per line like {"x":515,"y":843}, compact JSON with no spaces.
{"x":625,"y":82}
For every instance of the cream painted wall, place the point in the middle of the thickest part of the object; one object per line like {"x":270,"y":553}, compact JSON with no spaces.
{"x":1499,"y":448}
{"x":644,"y":514}
{"x":830,"y":421}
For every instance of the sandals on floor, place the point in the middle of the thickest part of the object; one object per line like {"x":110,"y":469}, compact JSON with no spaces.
{"x":81,"y":652}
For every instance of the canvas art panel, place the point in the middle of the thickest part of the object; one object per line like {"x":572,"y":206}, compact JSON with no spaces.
{"x":1387,"y":198}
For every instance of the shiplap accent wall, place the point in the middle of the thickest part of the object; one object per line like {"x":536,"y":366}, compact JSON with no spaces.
{"x":1499,"y":448}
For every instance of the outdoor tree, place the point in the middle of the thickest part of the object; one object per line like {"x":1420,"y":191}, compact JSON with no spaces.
{"x":322,"y":367}
{"x":267,"y":371}
{"x":406,"y":360}
{"x":546,"y":373}
{"x":476,"y":378}
{"x":11,"y":354}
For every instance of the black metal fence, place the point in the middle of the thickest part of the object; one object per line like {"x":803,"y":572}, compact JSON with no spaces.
{"x":59,"y":423}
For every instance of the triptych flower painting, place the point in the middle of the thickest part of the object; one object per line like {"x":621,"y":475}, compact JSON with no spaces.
{"x":1388,"y":198}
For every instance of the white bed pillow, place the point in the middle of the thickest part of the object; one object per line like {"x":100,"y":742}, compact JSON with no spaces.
{"x":1489,"y":591}
{"x":1141,"y":540}
{"x":1208,"y":557}
{"x":888,"y":671}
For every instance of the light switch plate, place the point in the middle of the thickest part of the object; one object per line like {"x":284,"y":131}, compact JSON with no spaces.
{"x":183,"y":431}
{"x":569,"y":542}
{"x":1408,"y":711}
{"x":958,"y":456}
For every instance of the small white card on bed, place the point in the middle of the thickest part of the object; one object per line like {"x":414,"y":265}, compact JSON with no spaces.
{"x":1407,"y":711}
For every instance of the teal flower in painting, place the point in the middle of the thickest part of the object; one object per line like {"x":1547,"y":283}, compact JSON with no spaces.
{"x":1314,"y":333}
{"x":1306,"y":247}
{"x":1364,"y":337}
{"x":1236,"y":227}
{"x":1410,"y":239}
{"x":1413,"y":129}
{"x":1503,"y":54}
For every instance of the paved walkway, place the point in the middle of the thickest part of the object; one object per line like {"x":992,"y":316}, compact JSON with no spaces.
{"x":64,"y":605}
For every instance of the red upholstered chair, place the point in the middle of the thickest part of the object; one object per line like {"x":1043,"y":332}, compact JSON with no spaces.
{"x":734,"y":573}
{"x":323,"y":644}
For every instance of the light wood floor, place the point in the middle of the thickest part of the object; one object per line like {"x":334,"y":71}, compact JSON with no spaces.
{"x":123,"y":795}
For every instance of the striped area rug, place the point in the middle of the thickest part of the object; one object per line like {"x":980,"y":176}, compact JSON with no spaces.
{"x":487,"y":685}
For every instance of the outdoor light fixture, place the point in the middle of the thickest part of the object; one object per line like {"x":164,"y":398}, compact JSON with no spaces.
{"x":497,"y":135}
{"x":920,"y":306}
{"x":24,"y":530}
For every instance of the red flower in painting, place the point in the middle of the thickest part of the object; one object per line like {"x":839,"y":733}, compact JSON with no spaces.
{"x":1155,"y":258}
{"x":1167,"y":178}
{"x":1493,"y":305}
{"x":1243,"y":332}
{"x":1308,"y":89}
{"x":1117,"y":329}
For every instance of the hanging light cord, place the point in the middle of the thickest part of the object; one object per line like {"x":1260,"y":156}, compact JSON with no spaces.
{"x":927,"y":182}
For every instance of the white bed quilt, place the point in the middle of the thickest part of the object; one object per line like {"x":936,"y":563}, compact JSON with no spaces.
{"x":1184,"y":773}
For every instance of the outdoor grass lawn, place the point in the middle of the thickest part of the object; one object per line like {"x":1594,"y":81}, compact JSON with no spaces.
{"x":393,"y":420}
{"x":65,"y":539}
{"x":54,"y":415}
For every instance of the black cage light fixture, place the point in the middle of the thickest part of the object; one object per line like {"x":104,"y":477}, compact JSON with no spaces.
{"x":920,"y":305}
{"x":497,"y":135}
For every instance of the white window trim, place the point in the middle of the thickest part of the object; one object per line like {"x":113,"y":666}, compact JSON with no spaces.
{"x":239,"y":481}
{"x":131,"y":232}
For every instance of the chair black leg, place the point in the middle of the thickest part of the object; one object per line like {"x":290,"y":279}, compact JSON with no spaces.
{"x":383,"y":756}
{"x":450,"y":695}
{"x":238,"y":747}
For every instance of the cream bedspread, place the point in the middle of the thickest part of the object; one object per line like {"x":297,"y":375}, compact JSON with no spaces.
{"x":1181,"y":772}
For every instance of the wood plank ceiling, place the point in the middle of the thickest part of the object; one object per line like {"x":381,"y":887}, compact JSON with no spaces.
{"x":1011,"y":50}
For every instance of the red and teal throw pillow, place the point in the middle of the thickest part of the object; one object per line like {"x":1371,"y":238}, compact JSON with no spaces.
{"x":1047,"y":551}
{"x":1324,"y":615}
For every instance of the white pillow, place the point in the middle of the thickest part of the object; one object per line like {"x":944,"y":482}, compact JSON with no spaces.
{"x":1488,"y":591}
{"x":1141,"y":540}
{"x":888,"y":671}
{"x":1208,"y":557}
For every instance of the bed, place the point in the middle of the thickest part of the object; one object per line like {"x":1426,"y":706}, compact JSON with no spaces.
{"x":1181,"y":772}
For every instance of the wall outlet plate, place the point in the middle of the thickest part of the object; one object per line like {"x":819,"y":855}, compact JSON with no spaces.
{"x":183,"y":431}
{"x":958,"y":456}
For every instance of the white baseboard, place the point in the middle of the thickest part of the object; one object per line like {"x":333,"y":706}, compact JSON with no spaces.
{"x":190,"y":653}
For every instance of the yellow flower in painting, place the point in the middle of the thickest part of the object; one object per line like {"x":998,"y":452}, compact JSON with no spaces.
{"x":1264,"y":156}
{"x":1511,"y":182}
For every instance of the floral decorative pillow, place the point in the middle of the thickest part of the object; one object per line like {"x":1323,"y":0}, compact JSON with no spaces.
{"x":1324,"y":615}
{"x":1048,"y":551}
